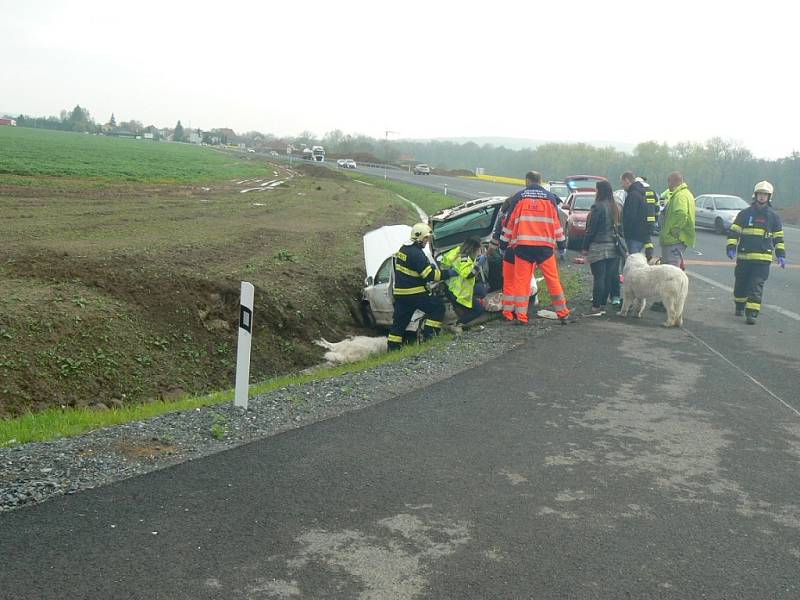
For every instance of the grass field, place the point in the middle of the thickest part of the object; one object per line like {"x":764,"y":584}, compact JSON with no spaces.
{"x":128,"y":291}
{"x":38,"y":157}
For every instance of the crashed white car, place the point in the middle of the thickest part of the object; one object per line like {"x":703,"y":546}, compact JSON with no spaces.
{"x":451,"y":226}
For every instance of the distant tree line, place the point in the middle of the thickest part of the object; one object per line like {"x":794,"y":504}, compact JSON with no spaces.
{"x":714,"y":166}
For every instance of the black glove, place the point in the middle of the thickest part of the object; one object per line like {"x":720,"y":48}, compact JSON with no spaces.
{"x":648,"y":253}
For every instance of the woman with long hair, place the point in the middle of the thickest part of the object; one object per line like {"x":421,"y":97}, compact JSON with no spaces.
{"x":600,"y":249}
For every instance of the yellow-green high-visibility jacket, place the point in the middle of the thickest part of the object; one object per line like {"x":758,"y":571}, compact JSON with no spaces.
{"x":463,"y":286}
{"x":681,"y":216}
{"x":755,"y":233}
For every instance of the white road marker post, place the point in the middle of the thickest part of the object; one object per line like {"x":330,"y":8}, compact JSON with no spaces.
{"x":445,"y":189}
{"x":243,"y":346}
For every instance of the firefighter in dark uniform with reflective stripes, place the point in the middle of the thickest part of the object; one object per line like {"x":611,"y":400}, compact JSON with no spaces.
{"x":651,"y":199}
{"x":412,"y":270}
{"x":755,"y":236}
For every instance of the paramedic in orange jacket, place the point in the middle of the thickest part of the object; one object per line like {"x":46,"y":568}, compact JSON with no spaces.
{"x":533,"y":231}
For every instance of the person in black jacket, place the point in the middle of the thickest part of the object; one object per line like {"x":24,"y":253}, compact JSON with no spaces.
{"x":412,"y":270}
{"x":636,"y":216}
{"x":600,"y":249}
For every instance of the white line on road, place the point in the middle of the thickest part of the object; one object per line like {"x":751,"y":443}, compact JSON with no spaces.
{"x":364,"y":182}
{"x":717,"y":284}
{"x":745,"y":373}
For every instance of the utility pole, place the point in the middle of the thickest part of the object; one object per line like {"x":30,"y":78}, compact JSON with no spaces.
{"x":386,"y":152}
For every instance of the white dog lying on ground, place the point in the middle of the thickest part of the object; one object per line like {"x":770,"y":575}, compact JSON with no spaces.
{"x":643,"y":282}
{"x":353,"y":349}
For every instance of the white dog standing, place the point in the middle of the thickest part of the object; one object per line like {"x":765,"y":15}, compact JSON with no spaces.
{"x":659,"y":282}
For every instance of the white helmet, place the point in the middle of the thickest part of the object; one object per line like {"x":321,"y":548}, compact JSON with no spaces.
{"x":420,"y":231}
{"x":764,"y":187}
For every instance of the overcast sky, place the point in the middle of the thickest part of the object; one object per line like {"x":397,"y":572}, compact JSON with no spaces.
{"x":570,"y":70}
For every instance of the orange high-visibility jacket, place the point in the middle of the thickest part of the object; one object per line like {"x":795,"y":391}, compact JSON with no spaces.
{"x":534,"y":221}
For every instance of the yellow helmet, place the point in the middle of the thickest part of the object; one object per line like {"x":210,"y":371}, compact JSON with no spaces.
{"x":763,"y":187}
{"x":420,"y":231}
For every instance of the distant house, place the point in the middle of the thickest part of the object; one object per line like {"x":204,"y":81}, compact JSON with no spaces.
{"x":8,"y":121}
{"x":195,"y":138}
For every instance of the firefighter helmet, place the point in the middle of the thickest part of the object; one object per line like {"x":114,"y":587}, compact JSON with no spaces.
{"x":420,"y":231}
{"x":764,"y":187}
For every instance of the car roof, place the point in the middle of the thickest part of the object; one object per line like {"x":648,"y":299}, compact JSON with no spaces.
{"x":466,"y":207}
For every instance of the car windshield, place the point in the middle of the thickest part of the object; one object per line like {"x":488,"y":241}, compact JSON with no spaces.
{"x":730,"y":203}
{"x":478,"y":223}
{"x":561,"y":191}
{"x":583,"y":202}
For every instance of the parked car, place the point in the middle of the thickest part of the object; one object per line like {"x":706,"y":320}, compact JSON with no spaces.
{"x":579,"y":202}
{"x":451,"y":226}
{"x":717,"y":211}
{"x":559,"y":188}
{"x":350,"y":164}
{"x":422,"y":169}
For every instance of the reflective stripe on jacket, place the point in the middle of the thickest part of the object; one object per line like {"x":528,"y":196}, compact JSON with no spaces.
{"x":756,"y":233}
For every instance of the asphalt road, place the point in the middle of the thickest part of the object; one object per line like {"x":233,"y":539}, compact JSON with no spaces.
{"x":607,"y":459}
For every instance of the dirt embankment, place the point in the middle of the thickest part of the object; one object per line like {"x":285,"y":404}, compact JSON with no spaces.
{"x":132,"y":294}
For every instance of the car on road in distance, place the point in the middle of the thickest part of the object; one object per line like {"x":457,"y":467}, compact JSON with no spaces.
{"x":273,"y":153}
{"x":341,"y":162}
{"x":422,"y":169}
{"x":717,"y":211}
{"x":350,"y":164}
{"x":581,"y":197}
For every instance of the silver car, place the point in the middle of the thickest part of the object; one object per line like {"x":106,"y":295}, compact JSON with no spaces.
{"x":717,"y":211}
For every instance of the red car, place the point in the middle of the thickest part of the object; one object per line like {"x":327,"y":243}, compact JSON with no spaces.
{"x":580,"y":200}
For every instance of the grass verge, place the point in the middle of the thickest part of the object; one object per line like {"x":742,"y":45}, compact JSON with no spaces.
{"x":56,"y":423}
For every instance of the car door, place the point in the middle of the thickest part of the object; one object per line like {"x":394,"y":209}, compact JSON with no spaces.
{"x":700,"y":217}
{"x":378,"y":297}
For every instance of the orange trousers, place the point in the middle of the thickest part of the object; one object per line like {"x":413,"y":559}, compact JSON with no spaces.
{"x":520,"y":290}
{"x":510,"y":301}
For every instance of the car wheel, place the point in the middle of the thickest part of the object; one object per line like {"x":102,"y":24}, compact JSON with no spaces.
{"x":719,"y":226}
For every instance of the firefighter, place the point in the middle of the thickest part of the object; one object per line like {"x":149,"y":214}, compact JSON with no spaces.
{"x":651,"y":198}
{"x":755,"y":237}
{"x":412,"y":270}
{"x":638,"y":215}
{"x":533,"y":231}
{"x":462,"y":290}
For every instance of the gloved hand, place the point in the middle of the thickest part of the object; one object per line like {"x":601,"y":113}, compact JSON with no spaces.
{"x":782,"y":262}
{"x":648,"y":253}
{"x":481,"y":260}
{"x":450,"y":273}
{"x":731,"y":252}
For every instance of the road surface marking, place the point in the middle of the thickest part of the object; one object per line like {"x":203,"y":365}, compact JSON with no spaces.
{"x":364,"y":182}
{"x":724,"y":263}
{"x":717,"y":284}
{"x":745,"y":373}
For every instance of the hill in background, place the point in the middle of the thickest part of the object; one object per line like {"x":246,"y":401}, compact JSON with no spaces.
{"x":522,"y":143}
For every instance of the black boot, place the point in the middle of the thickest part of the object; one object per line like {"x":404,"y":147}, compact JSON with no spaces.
{"x":751,"y":316}
{"x":739,"y":311}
